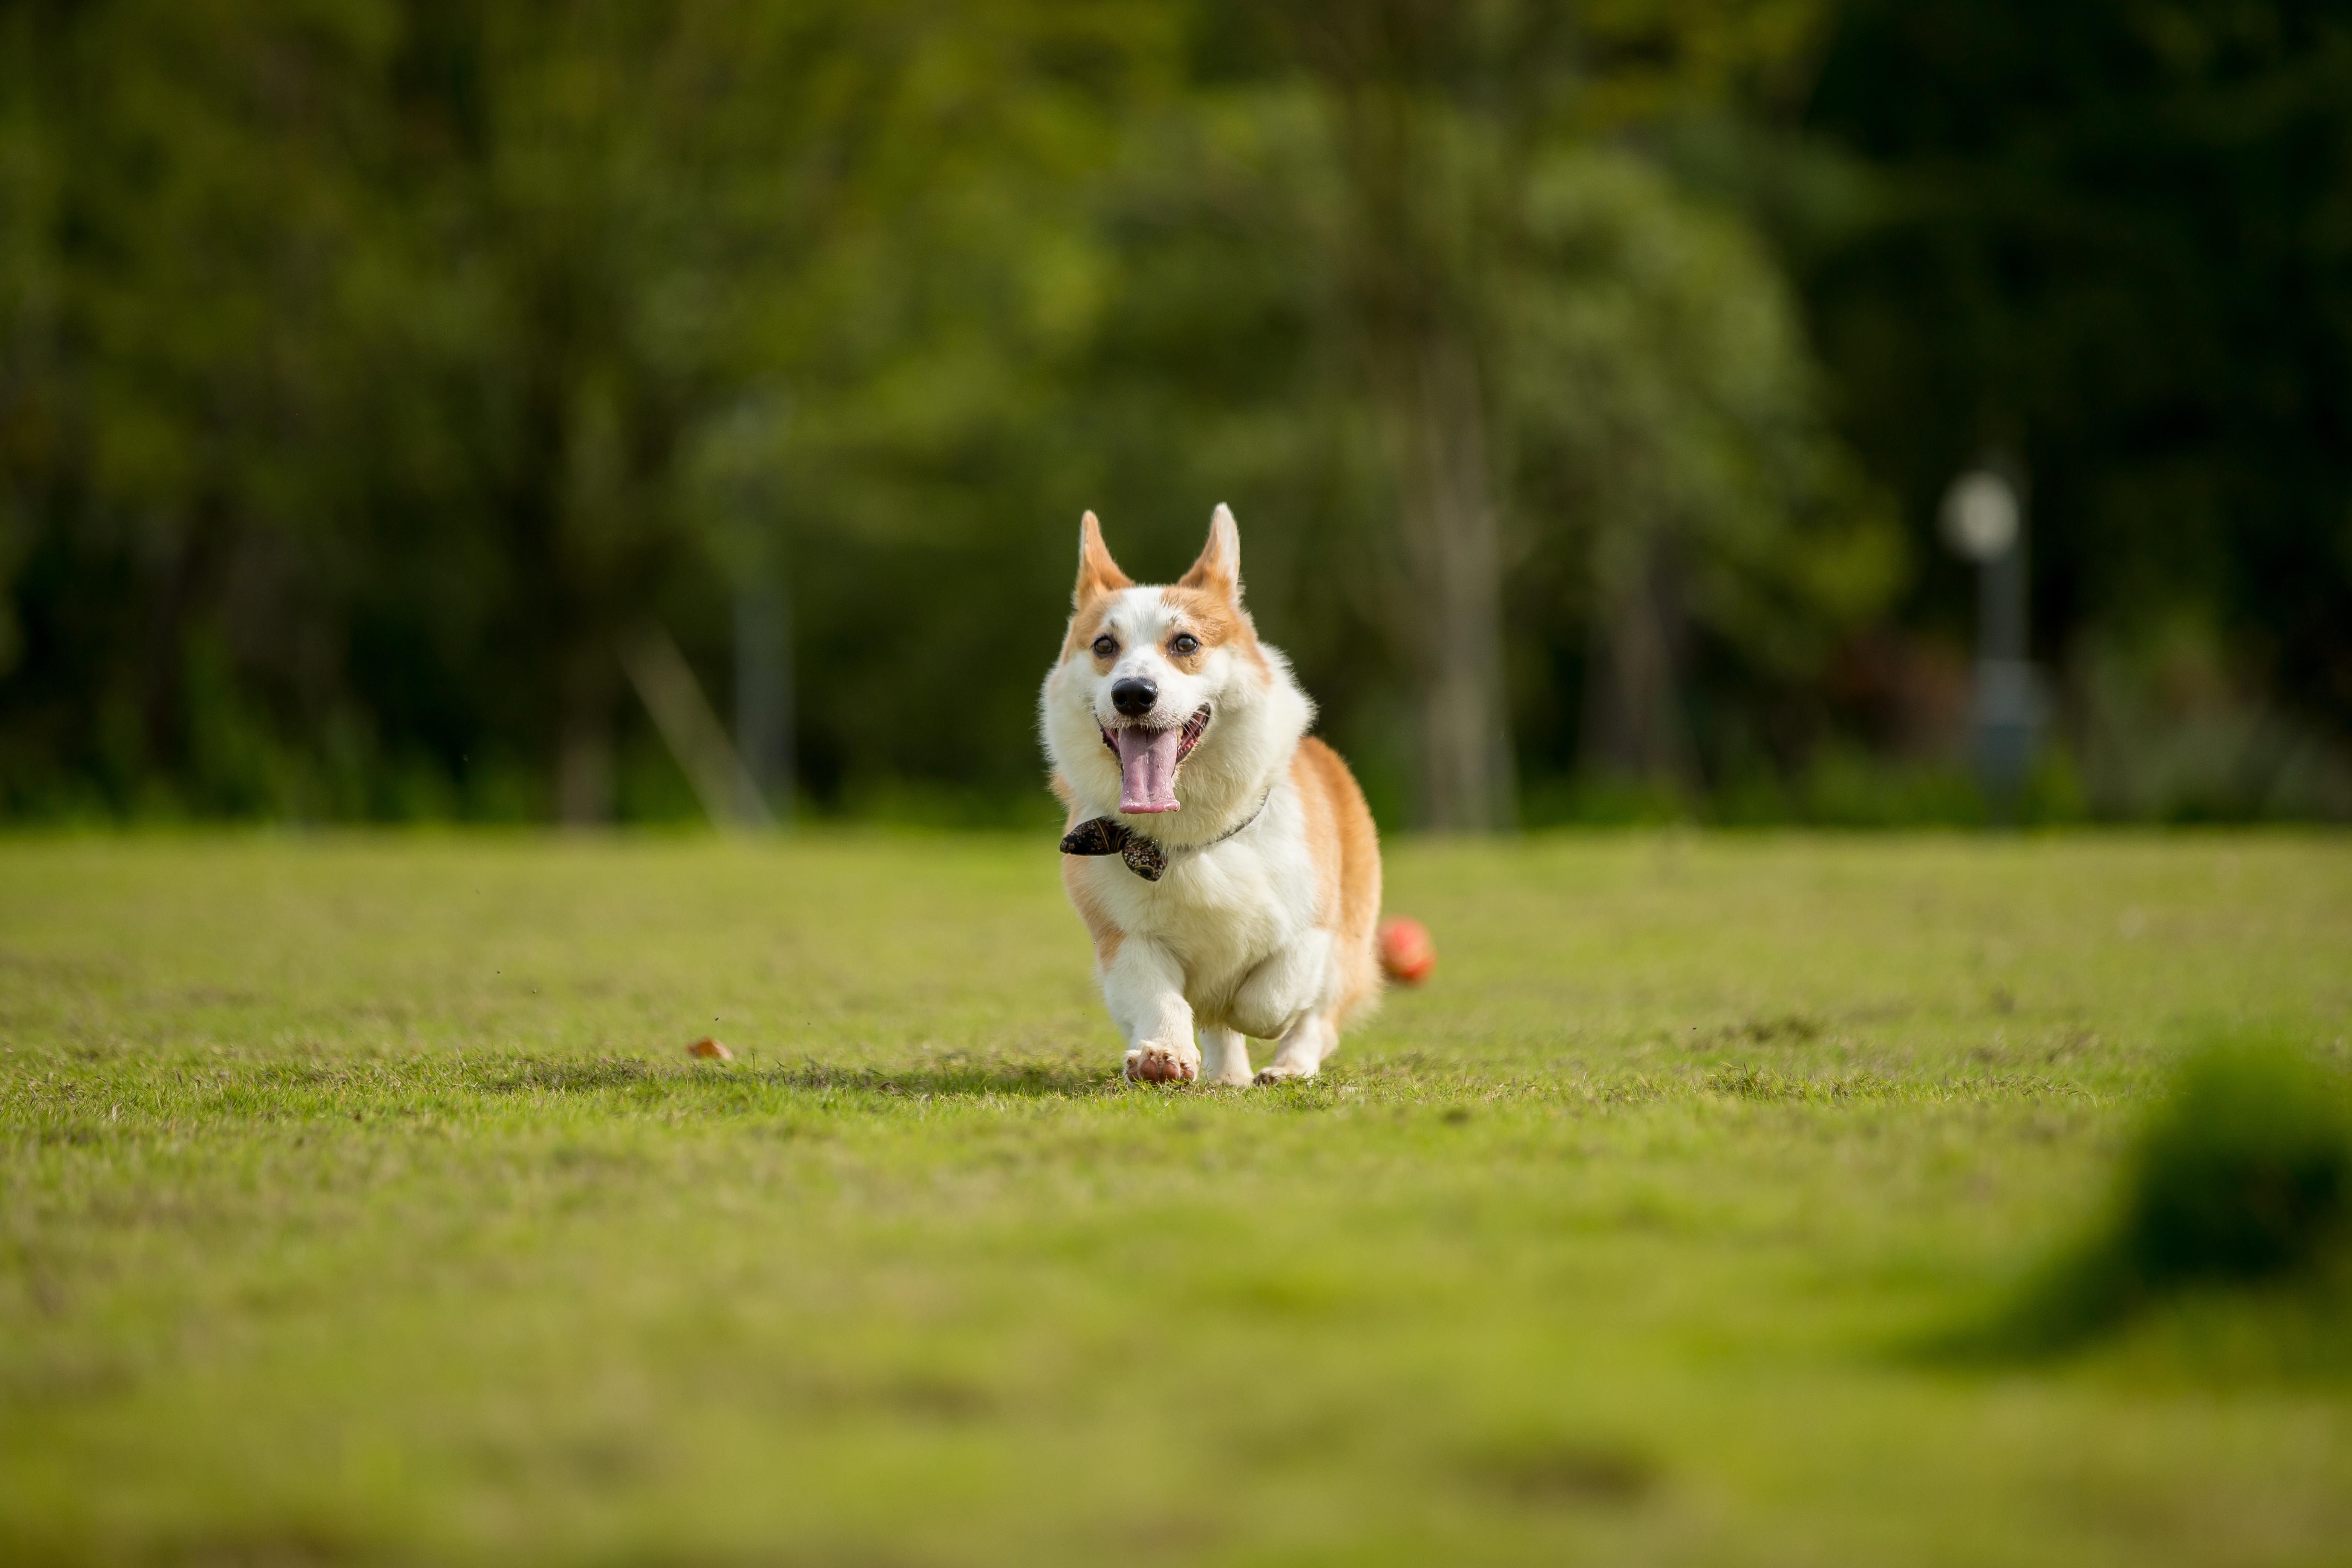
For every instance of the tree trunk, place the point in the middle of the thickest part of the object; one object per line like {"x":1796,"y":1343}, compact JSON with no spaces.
{"x":1421,"y":217}
{"x":1428,"y":384}
{"x":1633,"y":727}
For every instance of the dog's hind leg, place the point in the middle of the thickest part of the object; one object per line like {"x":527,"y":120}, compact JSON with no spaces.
{"x":1225,"y":1054}
{"x":1300,"y":1051}
{"x":1285,"y":987}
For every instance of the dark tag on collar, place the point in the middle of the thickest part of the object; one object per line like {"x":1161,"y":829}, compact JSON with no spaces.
{"x":1103,"y":835}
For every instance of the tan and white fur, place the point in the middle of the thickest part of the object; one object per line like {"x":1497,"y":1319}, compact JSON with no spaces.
{"x":1262,"y":924}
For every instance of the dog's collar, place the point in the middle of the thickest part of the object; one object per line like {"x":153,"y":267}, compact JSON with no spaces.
{"x":1147,"y":857}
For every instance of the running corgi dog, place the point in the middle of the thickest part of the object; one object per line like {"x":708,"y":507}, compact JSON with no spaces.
{"x":1222,"y":858}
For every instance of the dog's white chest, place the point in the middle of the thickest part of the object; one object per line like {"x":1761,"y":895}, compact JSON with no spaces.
{"x":1222,"y":911}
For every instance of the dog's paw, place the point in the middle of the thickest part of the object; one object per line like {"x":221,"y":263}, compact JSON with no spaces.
{"x":1162,"y":1064}
{"x":1282,"y":1072}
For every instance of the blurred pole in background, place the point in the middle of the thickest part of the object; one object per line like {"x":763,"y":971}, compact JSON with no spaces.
{"x":1983,"y":520}
{"x":692,"y":732}
{"x":763,"y":686}
{"x":745,"y":494}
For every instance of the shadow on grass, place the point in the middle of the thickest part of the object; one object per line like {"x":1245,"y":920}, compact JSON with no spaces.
{"x":1035,"y":1079}
{"x":2238,"y":1190}
{"x":948,"y":1079}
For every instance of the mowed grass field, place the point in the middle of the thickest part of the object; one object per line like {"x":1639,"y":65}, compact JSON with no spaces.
{"x":359,"y":1203}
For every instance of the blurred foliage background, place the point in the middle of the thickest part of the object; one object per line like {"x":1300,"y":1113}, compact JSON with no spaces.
{"x":377,"y":374}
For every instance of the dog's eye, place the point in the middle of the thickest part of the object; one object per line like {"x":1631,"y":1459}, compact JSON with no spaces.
{"x":1183,"y":644}
{"x":1105,"y":648}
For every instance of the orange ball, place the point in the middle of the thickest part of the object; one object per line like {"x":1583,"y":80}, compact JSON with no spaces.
{"x":1406,"y":952}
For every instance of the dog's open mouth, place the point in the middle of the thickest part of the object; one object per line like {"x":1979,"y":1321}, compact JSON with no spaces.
{"x":1148,"y":758}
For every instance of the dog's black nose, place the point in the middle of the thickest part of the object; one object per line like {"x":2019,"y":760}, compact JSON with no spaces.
{"x":1134,"y":697}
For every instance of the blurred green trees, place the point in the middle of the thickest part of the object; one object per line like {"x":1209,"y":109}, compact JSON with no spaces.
{"x":372,"y":371}
{"x":380,"y":367}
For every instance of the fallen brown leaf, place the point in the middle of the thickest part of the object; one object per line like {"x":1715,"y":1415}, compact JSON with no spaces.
{"x":707,"y":1046}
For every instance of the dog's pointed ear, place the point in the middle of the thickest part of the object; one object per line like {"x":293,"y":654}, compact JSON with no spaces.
{"x":1219,"y":569}
{"x":1097,"y":573}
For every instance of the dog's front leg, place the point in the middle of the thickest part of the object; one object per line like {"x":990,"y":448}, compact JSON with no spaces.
{"x":1145,"y":988}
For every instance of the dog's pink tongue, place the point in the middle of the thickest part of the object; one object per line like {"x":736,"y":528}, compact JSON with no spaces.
{"x":1146,"y":768}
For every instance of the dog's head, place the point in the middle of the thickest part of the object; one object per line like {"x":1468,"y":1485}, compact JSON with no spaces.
{"x":1158,"y":684}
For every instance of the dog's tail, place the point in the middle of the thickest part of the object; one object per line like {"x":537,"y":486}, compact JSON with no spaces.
{"x":1407,"y":955}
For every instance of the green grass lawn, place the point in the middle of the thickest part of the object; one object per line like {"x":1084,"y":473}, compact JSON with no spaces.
{"x":358,"y":1202}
